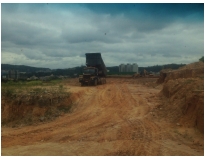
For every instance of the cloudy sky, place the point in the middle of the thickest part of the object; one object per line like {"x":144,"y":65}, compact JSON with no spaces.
{"x":55,"y":35}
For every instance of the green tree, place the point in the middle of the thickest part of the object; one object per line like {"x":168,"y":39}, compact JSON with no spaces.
{"x":202,"y":59}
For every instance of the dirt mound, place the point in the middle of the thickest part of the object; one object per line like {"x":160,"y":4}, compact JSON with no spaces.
{"x":189,"y":71}
{"x":194,"y":65}
{"x":38,"y":105}
{"x":183,"y":92}
{"x":163,"y":75}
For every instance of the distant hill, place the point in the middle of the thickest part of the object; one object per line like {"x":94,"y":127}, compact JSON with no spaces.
{"x":78,"y":70}
{"x":23,"y":68}
{"x":158,"y":68}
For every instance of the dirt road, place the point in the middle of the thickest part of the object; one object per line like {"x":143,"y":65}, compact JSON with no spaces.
{"x":118,"y":118}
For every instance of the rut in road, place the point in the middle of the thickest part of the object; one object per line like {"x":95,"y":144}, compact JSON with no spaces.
{"x":110,"y":119}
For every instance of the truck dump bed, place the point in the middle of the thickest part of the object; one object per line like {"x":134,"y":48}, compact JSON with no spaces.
{"x":95,"y":60}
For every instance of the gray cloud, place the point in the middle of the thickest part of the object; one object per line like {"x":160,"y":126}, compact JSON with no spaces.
{"x":58,"y":35}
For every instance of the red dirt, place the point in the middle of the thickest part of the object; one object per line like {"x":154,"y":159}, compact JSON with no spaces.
{"x":122,"y":117}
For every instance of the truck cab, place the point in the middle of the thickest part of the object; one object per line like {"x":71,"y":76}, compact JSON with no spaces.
{"x":90,"y":76}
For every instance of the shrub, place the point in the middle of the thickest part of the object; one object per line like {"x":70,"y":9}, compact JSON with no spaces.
{"x":202,"y":59}
{"x":8,"y":92}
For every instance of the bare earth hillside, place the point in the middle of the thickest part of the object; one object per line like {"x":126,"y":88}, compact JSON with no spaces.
{"x":140,"y":117}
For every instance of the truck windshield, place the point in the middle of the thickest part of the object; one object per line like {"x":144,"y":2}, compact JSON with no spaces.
{"x":89,"y":71}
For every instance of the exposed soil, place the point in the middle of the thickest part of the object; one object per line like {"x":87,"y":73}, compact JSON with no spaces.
{"x":123,"y":117}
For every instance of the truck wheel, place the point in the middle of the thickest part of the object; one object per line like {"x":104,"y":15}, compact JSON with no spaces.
{"x":95,"y":82}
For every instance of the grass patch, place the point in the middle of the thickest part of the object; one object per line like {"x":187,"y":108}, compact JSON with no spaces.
{"x":30,"y":83}
{"x":52,"y":96}
{"x":8,"y":92}
{"x":34,"y":83}
{"x":35,"y":91}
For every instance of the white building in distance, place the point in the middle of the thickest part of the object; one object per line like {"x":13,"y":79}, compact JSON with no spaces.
{"x":128,"y":67}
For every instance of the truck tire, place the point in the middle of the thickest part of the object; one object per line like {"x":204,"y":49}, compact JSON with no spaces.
{"x":95,"y":82}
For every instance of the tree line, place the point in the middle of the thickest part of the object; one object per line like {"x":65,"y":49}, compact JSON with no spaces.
{"x":74,"y":72}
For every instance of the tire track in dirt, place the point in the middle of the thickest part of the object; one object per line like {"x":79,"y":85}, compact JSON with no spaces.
{"x":127,"y":131}
{"x":135,"y":131}
{"x":109,"y":119}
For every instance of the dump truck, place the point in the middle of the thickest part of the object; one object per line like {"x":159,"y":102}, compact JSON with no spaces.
{"x":95,"y":71}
